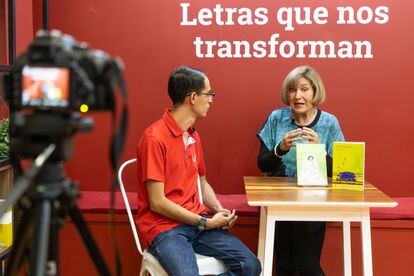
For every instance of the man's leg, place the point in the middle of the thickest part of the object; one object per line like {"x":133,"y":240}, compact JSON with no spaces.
{"x":174,"y":251}
{"x":226,"y":247}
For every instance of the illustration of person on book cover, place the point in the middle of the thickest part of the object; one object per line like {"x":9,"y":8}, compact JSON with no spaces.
{"x":311,"y":173}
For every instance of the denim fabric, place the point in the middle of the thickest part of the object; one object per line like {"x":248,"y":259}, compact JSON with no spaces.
{"x":175,"y":250}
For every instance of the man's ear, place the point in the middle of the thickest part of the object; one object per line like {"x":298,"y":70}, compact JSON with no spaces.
{"x":192,"y":97}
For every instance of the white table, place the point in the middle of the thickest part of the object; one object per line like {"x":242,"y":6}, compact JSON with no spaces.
{"x":280,"y":199}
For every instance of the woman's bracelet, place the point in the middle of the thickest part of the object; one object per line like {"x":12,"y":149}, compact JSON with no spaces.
{"x":279,"y":152}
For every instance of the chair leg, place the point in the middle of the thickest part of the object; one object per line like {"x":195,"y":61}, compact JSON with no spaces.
{"x":143,"y":272}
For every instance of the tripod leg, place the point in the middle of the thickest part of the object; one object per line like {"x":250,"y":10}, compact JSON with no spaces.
{"x":38,"y":258}
{"x":21,"y":243}
{"x":53,"y":258}
{"x":88,"y":240}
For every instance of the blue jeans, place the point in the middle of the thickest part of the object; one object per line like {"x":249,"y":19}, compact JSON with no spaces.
{"x":175,"y":249}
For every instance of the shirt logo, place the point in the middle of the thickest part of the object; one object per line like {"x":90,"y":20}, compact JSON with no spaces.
{"x":195,"y":158}
{"x":191,"y":140}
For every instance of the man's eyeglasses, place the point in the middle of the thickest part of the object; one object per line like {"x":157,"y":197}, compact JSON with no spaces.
{"x":210,"y":95}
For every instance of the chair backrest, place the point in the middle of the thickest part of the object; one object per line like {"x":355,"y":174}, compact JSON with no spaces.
{"x":127,"y":206}
{"x":200,"y":194}
{"x":207,"y":265}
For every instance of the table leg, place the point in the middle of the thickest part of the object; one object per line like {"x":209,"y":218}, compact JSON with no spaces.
{"x":366,"y":242}
{"x":269,"y":244}
{"x":346,"y":244}
{"x":262,"y":235}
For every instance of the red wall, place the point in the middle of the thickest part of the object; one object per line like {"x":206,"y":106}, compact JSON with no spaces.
{"x":24,"y":25}
{"x":370,"y":97}
{"x":24,"y":28}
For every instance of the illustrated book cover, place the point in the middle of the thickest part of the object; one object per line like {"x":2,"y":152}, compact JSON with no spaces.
{"x":348,"y":168}
{"x":311,"y":165}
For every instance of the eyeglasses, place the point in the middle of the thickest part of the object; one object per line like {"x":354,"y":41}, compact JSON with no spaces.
{"x":210,"y":95}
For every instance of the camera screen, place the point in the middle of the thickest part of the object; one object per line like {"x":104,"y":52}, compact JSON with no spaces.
{"x":45,"y":86}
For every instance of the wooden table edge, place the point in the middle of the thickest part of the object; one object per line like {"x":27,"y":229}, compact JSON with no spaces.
{"x":321,"y":204}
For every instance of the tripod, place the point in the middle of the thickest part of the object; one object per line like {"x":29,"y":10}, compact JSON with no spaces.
{"x":45,"y":206}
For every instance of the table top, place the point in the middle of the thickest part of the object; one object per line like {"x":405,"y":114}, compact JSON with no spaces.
{"x":283,"y":191}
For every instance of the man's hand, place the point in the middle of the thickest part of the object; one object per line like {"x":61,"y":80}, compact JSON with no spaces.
{"x":232,"y":222}
{"x":222,"y":219}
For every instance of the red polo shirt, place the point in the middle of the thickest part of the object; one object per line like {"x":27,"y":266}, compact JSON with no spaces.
{"x":163,"y":157}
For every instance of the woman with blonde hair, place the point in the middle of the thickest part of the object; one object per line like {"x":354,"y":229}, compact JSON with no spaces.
{"x":298,"y":244}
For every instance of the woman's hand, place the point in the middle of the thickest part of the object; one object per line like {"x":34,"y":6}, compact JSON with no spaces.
{"x":289,"y":138}
{"x":311,"y":135}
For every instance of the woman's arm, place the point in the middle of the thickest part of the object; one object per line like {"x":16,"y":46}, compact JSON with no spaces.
{"x":267,"y":160}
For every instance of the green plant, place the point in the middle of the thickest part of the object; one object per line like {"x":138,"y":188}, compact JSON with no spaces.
{"x":4,"y":137}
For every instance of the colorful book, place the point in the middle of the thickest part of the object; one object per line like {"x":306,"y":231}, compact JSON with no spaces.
{"x":348,"y":168}
{"x":311,"y":165}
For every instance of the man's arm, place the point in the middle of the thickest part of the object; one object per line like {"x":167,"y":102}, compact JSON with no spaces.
{"x":211,"y":201}
{"x":169,"y":209}
{"x":209,"y":196}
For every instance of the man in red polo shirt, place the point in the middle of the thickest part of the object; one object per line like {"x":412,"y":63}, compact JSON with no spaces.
{"x":171,"y":218}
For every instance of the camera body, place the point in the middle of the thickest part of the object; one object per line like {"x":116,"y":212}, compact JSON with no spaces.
{"x":59,"y":74}
{"x":57,"y":78}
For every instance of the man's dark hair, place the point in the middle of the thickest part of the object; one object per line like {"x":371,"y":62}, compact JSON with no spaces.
{"x":184,"y":80}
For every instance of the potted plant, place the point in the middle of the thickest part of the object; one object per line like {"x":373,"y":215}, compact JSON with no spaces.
{"x":4,"y":138}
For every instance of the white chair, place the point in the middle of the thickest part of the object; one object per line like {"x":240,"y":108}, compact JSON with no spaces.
{"x":150,"y":265}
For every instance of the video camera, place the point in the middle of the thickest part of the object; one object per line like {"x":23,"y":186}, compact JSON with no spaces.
{"x":60,"y":74}
{"x":56,"y":78}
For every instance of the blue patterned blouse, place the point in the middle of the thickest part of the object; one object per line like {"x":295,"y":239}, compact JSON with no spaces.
{"x":279,"y":122}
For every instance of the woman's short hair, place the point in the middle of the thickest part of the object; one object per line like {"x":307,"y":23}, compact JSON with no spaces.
{"x":184,"y":80}
{"x":311,"y":75}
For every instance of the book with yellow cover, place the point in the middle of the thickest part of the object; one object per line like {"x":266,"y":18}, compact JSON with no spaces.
{"x":6,"y":228}
{"x":348,"y":168}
